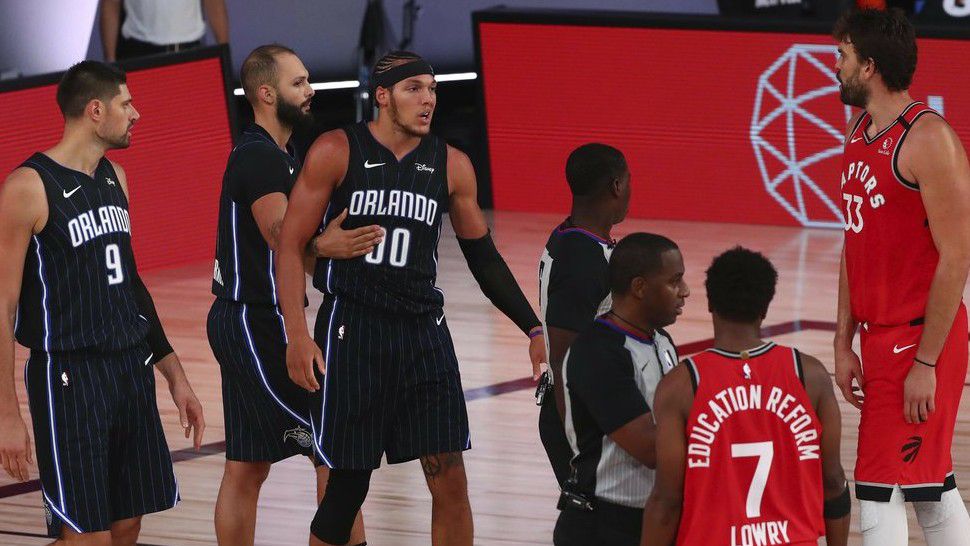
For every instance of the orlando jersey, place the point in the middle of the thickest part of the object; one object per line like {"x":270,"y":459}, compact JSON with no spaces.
{"x":754,"y":468}
{"x":407,"y":198}
{"x":76,"y":290}
{"x":244,"y":268}
{"x":890,"y":257}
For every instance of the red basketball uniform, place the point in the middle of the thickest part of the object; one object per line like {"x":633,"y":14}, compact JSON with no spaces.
{"x":754,"y":469}
{"x":890,"y":260}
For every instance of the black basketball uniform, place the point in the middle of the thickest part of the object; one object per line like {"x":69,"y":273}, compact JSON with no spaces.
{"x":392,"y":383}
{"x":101,"y":450}
{"x":573,"y":290}
{"x":266,"y":414}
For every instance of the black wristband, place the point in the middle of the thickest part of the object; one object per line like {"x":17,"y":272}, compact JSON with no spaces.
{"x":156,"y":339}
{"x":838,"y":507}
{"x":925,"y":363}
{"x":497,"y":282}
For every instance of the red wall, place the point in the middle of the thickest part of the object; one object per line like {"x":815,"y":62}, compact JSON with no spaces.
{"x":175,"y":162}
{"x":681,"y":105}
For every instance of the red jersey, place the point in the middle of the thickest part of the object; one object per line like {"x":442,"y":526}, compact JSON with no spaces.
{"x":890,"y":257}
{"x":753,"y":474}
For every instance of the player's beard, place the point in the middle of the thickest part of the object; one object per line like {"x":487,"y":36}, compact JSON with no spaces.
{"x":293,"y":116}
{"x":393,"y":111}
{"x":118,"y":142}
{"x":853,"y":93}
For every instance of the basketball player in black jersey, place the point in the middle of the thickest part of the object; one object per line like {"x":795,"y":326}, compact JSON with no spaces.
{"x":266,"y":414}
{"x":70,"y":291}
{"x":391,"y":383}
{"x":573,"y":284}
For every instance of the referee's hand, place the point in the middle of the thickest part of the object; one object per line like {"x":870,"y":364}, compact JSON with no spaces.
{"x":301,"y":354}
{"x":15,"y":450}
{"x":537,"y":354}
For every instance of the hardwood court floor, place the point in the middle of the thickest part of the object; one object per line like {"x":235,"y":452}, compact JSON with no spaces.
{"x":512,"y":489}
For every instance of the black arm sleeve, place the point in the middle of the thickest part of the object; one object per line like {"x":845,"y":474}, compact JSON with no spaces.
{"x":156,"y":339}
{"x":497,"y":282}
{"x":601,"y":377}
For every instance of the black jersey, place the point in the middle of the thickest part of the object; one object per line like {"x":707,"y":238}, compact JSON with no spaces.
{"x":406,"y":198}
{"x":573,"y":284}
{"x":244,"y":269}
{"x":76,"y":291}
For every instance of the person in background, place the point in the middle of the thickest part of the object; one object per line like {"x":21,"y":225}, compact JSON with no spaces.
{"x":150,"y":27}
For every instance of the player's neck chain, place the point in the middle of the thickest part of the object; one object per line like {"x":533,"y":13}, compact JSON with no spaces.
{"x":630,"y":324}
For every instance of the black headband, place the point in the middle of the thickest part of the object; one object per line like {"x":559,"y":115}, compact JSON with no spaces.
{"x":390,"y":77}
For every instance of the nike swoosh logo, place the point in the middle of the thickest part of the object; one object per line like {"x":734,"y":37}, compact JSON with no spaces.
{"x":70,"y":193}
{"x":897,"y":349}
{"x":854,"y":140}
{"x":369,"y":165}
{"x":291,"y":170}
{"x":438,"y":320}
{"x":149,"y":359}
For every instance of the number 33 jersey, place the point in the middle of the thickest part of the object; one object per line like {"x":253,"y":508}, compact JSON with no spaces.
{"x":407,"y":198}
{"x":76,"y":291}
{"x":753,"y":472}
{"x":890,"y":257}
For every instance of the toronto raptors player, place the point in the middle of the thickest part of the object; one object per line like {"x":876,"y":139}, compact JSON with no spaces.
{"x":906,"y":193}
{"x":748,"y":432}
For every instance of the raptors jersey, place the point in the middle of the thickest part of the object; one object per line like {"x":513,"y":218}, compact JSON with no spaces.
{"x":890,"y":257}
{"x":407,"y":199}
{"x":753,"y":472}
{"x":76,"y":291}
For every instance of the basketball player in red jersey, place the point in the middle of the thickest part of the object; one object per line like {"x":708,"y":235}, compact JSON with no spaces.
{"x":906,"y":193}
{"x":748,"y":432}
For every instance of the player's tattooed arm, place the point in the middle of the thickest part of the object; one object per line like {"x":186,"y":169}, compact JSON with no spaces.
{"x":23,"y":212}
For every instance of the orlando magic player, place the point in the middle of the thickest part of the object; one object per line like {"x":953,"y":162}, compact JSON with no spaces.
{"x":70,"y":290}
{"x":266,"y":414}
{"x":573,"y":284}
{"x":391,"y":383}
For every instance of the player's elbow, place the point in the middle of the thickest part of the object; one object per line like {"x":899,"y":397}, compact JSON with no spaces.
{"x":955,"y":257}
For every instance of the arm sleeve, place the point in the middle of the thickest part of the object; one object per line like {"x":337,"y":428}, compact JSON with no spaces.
{"x":577,"y":286}
{"x":255,"y":171}
{"x":497,"y":282}
{"x":602,"y":378}
{"x":156,"y":339}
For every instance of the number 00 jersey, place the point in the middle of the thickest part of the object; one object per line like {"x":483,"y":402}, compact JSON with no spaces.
{"x":753,"y":472}
{"x":890,"y":257}
{"x":76,"y":290}
{"x":407,"y":199}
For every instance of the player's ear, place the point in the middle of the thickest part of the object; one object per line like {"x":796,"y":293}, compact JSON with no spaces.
{"x":96,"y":109}
{"x":266,"y":93}
{"x":638,"y":287}
{"x":381,"y":95}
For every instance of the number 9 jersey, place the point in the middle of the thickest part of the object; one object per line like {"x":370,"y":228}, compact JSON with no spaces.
{"x":753,"y":473}
{"x":407,"y":198}
{"x":76,"y":291}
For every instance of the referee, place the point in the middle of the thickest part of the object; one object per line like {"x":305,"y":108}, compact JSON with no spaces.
{"x":610,"y":374}
{"x":573,"y":287}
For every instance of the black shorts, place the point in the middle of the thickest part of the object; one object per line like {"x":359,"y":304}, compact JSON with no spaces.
{"x":100,"y":446}
{"x":392,"y":386}
{"x":267,"y":416}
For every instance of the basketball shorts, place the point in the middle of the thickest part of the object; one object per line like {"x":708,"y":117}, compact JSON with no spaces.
{"x":99,"y":441}
{"x":267,"y":416}
{"x":392,"y":387}
{"x":892,"y":452}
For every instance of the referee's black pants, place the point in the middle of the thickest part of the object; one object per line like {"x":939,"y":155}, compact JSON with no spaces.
{"x":607,"y":525}
{"x":554,"y":441}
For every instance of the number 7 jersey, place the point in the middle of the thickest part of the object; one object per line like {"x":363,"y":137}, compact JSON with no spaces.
{"x":753,"y":473}
{"x":407,"y":198}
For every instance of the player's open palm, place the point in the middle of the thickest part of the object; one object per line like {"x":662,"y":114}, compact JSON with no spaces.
{"x":15,"y":450}
{"x":340,"y":243}
{"x":301,"y":354}
{"x":848,"y":376}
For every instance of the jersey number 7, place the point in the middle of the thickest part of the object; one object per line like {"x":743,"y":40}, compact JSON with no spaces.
{"x":765,"y":452}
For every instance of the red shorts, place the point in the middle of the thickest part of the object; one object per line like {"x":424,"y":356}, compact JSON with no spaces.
{"x":892,"y":452}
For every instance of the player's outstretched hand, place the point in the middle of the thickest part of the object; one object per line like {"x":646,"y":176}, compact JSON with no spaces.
{"x":15,"y":452}
{"x":848,"y":369}
{"x":919,"y":391}
{"x":190,"y":412}
{"x":537,"y":354}
{"x":337,"y":242}
{"x":301,"y":354}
